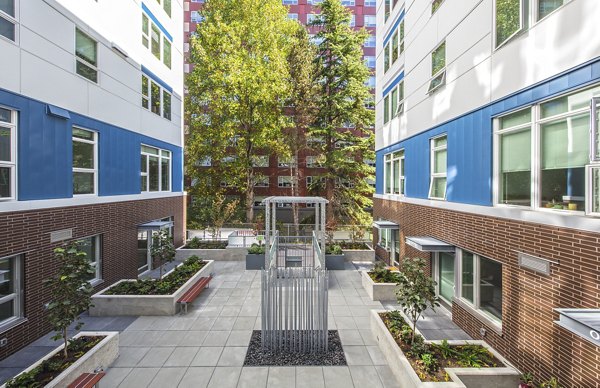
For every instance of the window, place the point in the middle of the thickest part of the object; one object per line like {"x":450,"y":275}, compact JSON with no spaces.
{"x":546,"y":7}
{"x":166,"y":52}
{"x":155,"y":169}
{"x":370,"y":62}
{"x":261,"y":181}
{"x":312,"y":18}
{"x":543,"y":152}
{"x":438,"y":67}
{"x":286,"y":162}
{"x":371,"y":82}
{"x":313,"y":162}
{"x":401,"y":37}
{"x":156,"y":98}
{"x":594,"y":187}
{"x":437,"y":189}
{"x":92,"y":248}
{"x":435,"y":4}
{"x":394,"y":47}
{"x":370,"y":42}
{"x":481,"y":284}
{"x":8,"y":150}
{"x":205,"y":162}
{"x":510,"y":19}
{"x":387,"y":9}
{"x":370,"y":21}
{"x":398,"y":111}
{"x":348,"y":3}
{"x":394,"y":102}
{"x":8,"y":20}
{"x":284,"y":181}
{"x":292,"y":16}
{"x":145,"y":31}
{"x":353,"y":20}
{"x":159,"y":44}
{"x":386,"y":109}
{"x":386,"y":58}
{"x":394,"y":173}
{"x":166,"y":6}
{"x":86,"y":56}
{"x":11,"y":289}
{"x":84,"y":161}
{"x":370,"y":3}
{"x":260,"y":161}
{"x":196,"y":17}
{"x":290,"y":2}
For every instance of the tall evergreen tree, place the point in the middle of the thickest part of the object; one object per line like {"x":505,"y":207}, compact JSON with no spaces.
{"x":342,"y":132}
{"x":236,"y":93}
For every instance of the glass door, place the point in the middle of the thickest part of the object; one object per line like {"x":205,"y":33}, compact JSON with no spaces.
{"x":445,"y":276}
{"x":143,"y":261}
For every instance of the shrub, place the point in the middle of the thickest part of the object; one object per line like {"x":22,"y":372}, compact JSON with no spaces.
{"x":429,"y":363}
{"x":256,"y":249}
{"x":162,"y":249}
{"x":381,"y":274}
{"x":333,"y":249}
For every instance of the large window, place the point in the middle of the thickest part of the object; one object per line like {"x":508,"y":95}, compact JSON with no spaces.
{"x":393,"y":102}
{"x":386,"y":58}
{"x":154,"y":40}
{"x":510,"y":19}
{"x":261,"y":181}
{"x":543,"y":151}
{"x":8,"y":20}
{"x":439,"y":152}
{"x":370,"y":21}
{"x":386,"y":109}
{"x":286,"y":162}
{"x":388,"y":4}
{"x":285,"y":181}
{"x":370,"y":42}
{"x":155,"y":169}
{"x":481,"y":284}
{"x":438,"y":67}
{"x":260,"y":161}
{"x":166,"y":6}
{"x":394,"y":173}
{"x":92,"y":247}
{"x":84,"y":161}
{"x":156,"y":98}
{"x":8,"y":149}
{"x":86,"y":56}
{"x":546,"y":7}
{"x":11,"y":290}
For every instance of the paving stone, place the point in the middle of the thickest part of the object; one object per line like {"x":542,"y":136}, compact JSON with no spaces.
{"x":203,"y":323}
{"x":156,"y":357}
{"x":207,"y":356}
{"x":309,"y":377}
{"x":233,"y":356}
{"x":376,"y":355}
{"x":225,"y":377}
{"x":230,"y":311}
{"x":224,"y":323}
{"x":244,"y":323}
{"x":194,"y":338}
{"x":216,"y":338}
{"x":350,"y":337}
{"x":357,"y":355}
{"x":345,"y":323}
{"x":171,"y":338}
{"x":181,"y":356}
{"x":182,"y":323}
{"x":167,"y":377}
{"x":130,"y":356}
{"x":281,"y":376}
{"x":254,"y":377}
{"x":114,"y":376}
{"x":196,"y":377}
{"x":365,"y":376}
{"x":337,"y":377}
{"x":139,"y":378}
{"x":387,"y":377}
{"x":239,"y":338}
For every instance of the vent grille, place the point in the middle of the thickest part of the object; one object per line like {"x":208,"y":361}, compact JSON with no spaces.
{"x":533,"y":263}
{"x":61,"y":235}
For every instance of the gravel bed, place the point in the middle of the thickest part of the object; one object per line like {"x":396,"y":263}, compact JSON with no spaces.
{"x":256,"y":357}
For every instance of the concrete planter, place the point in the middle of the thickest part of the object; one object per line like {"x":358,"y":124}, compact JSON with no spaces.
{"x":378,"y":291}
{"x":360,"y":254}
{"x":255,"y":261}
{"x":227,"y":254}
{"x":461,"y":377}
{"x":113,"y":305}
{"x":335,"y":262}
{"x":99,"y":357}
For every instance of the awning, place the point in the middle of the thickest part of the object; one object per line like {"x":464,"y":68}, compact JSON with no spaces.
{"x":429,"y":244}
{"x":583,"y":322}
{"x":385,"y":225}
{"x":156,"y":225}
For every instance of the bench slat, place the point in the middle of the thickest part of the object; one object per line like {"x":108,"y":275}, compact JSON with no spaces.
{"x":87,"y":380}
{"x":195,"y":290}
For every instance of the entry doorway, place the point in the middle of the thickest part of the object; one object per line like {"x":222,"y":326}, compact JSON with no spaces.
{"x":444,"y":275}
{"x":145,"y":235}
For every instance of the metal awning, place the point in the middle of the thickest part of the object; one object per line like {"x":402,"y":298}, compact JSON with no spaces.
{"x":385,"y":225}
{"x":294,"y":200}
{"x":583,"y":322}
{"x":156,"y":225}
{"x":429,"y":244}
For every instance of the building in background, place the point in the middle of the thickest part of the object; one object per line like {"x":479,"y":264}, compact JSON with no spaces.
{"x":90,"y":144}
{"x":486,"y":166}
{"x":277,"y":172}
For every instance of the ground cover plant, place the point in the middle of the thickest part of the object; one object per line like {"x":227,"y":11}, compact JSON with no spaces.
{"x":197,"y":243}
{"x":256,"y":249}
{"x":333,"y":249}
{"x":349,"y":245}
{"x":382,"y":274}
{"x":165,"y":286}
{"x":430,"y":360}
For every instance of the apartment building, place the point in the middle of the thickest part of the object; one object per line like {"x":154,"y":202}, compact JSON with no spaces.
{"x":488,"y":164}
{"x":277,"y":180}
{"x":90,"y":144}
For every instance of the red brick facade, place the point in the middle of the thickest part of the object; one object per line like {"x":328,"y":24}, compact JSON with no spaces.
{"x":530,"y":339}
{"x":28,"y":233}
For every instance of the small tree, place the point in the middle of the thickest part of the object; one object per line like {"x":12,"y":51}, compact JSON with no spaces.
{"x":416,"y":291}
{"x":162,"y":249}
{"x":70,"y":290}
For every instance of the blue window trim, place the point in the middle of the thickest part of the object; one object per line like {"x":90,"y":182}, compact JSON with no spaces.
{"x":395,"y":82}
{"x":394,"y":28}
{"x":155,"y":20}
{"x":156,"y":79}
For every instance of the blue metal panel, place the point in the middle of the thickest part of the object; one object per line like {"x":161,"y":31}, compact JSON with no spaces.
{"x":470,"y":137}
{"x":395,"y":82}
{"x":155,"y":20}
{"x":394,"y":28}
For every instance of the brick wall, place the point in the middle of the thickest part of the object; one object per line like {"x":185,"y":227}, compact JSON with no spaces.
{"x":28,"y":233}
{"x":529,"y":339}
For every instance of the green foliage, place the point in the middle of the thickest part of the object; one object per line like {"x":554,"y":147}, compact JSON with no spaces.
{"x":416,"y":291}
{"x":381,"y":274}
{"x":198,"y":243}
{"x":256,"y":249}
{"x":429,"y":363}
{"x":445,"y":349}
{"x":551,"y":383}
{"x":212,"y":212}
{"x":165,"y":286}
{"x":349,"y":245}
{"x":527,"y":378}
{"x":162,"y":249}
{"x":508,"y":19}
{"x":236,"y":93}
{"x":70,"y":290}
{"x":474,"y":356}
{"x":333,"y":249}
{"x":342,"y":96}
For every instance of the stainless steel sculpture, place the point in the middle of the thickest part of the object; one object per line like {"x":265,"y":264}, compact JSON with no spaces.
{"x":294,"y":284}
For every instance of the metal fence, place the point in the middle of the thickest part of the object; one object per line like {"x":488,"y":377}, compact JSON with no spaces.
{"x":294,"y":296}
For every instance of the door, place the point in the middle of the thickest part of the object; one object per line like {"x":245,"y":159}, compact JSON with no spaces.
{"x":144,"y":259}
{"x":445,"y":276}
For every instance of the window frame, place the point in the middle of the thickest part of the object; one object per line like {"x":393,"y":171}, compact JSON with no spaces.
{"x":18,"y":297}
{"x":12,"y":164}
{"x":595,"y":130}
{"x":433,"y":7}
{"x":14,"y":20}
{"x":523,"y":23}
{"x":146,"y":174}
{"x":85,"y":62}
{"x":590,"y":188}
{"x":536,"y":10}
{"x":161,"y":103}
{"x":93,"y":171}
{"x":370,"y":18}
{"x":97,"y":266}
{"x":400,"y":156}
{"x":434,"y":175}
{"x":262,"y":181}
{"x":282,"y":181}
{"x":438,"y":75}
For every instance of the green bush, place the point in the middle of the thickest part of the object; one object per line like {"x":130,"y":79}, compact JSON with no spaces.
{"x":197,"y":243}
{"x":381,"y":274}
{"x":256,"y":249}
{"x":333,"y":249}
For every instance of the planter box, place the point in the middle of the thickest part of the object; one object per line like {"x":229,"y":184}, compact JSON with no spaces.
{"x":227,"y":254}
{"x":113,"y":305}
{"x":255,"y":261}
{"x":360,"y":254}
{"x":461,"y":377}
{"x":378,"y":291}
{"x":335,"y":262}
{"x":99,"y":357}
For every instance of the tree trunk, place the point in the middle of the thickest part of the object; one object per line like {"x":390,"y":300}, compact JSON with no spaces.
{"x":66,"y":341}
{"x":250,"y":196}
{"x":295,"y":172}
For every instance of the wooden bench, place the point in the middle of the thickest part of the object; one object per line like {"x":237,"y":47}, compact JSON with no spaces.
{"x":87,"y":380}
{"x":194,"y":291}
